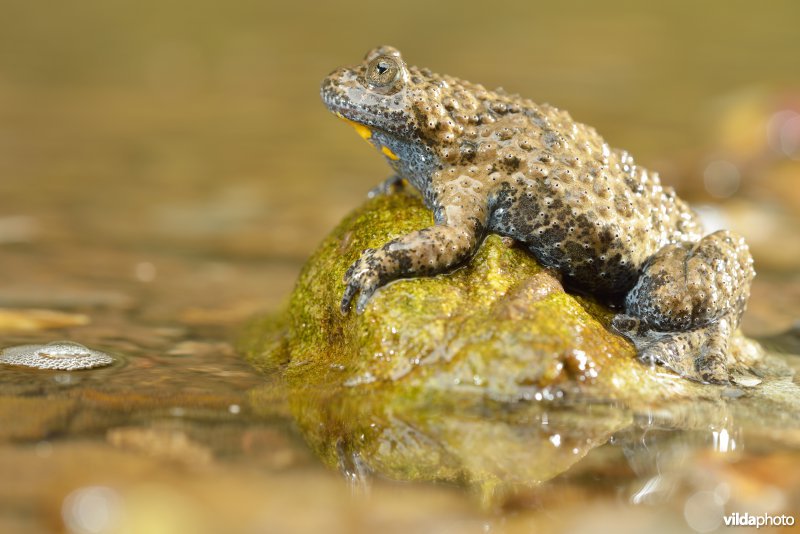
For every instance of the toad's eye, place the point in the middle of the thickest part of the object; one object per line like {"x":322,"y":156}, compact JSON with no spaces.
{"x":382,"y":72}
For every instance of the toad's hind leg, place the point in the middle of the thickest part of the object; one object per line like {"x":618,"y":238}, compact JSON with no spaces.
{"x":686,"y":304}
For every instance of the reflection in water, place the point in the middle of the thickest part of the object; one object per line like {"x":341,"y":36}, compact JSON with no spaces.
{"x":677,"y":455}
{"x":677,"y":452}
{"x":352,"y":467}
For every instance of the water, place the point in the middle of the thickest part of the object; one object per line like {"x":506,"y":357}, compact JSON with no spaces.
{"x":166,"y":168}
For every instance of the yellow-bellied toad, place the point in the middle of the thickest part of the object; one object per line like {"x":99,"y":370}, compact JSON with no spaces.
{"x":488,"y":161}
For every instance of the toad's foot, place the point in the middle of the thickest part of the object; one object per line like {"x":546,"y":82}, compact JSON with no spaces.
{"x":392,"y":183}
{"x":365,"y":276}
{"x":699,"y":354}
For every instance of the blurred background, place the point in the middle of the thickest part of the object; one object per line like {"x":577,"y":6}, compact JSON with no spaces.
{"x":197,"y":126}
{"x":167,"y":166}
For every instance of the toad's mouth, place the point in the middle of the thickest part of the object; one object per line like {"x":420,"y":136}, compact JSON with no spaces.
{"x":343,"y":102}
{"x":343,"y":106}
{"x":343,"y":97}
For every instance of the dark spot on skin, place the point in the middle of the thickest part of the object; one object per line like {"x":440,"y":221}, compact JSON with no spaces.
{"x":605,"y":237}
{"x":468,"y":152}
{"x":511,"y":164}
{"x":404,"y":260}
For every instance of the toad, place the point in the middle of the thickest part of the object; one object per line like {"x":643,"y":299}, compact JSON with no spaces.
{"x":489,"y":161}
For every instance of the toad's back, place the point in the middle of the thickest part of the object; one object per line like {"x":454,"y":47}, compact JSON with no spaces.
{"x":553,"y":183}
{"x":580,"y":207}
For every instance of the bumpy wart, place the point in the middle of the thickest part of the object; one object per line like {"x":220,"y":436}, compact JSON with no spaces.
{"x":489,"y":161}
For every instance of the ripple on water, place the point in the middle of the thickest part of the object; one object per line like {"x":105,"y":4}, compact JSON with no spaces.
{"x":61,"y":355}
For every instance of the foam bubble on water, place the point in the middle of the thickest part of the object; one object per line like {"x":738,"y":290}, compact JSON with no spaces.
{"x":62,"y":355}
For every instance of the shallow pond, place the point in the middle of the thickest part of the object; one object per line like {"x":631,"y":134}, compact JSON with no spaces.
{"x":167,"y":167}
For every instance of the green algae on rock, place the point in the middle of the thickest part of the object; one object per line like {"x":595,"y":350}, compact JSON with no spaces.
{"x":490,"y":375}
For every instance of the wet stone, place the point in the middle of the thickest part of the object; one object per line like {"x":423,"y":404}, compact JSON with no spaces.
{"x":33,"y":319}
{"x":168,"y":443}
{"x":34,"y":418}
{"x":491,"y":375}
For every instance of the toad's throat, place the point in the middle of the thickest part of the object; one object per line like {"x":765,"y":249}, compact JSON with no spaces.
{"x":366,"y":134}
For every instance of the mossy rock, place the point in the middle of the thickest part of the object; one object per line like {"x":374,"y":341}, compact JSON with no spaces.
{"x":491,"y":375}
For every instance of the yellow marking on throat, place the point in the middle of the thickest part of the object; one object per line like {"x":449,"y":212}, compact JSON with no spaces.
{"x":366,"y":135}
{"x":389,"y":154}
{"x":361,"y":130}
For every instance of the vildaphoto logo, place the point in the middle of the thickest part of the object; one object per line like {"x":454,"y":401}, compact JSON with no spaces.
{"x":764,"y":520}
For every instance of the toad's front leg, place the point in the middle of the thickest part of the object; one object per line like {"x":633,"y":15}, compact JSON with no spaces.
{"x":460,"y":214}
